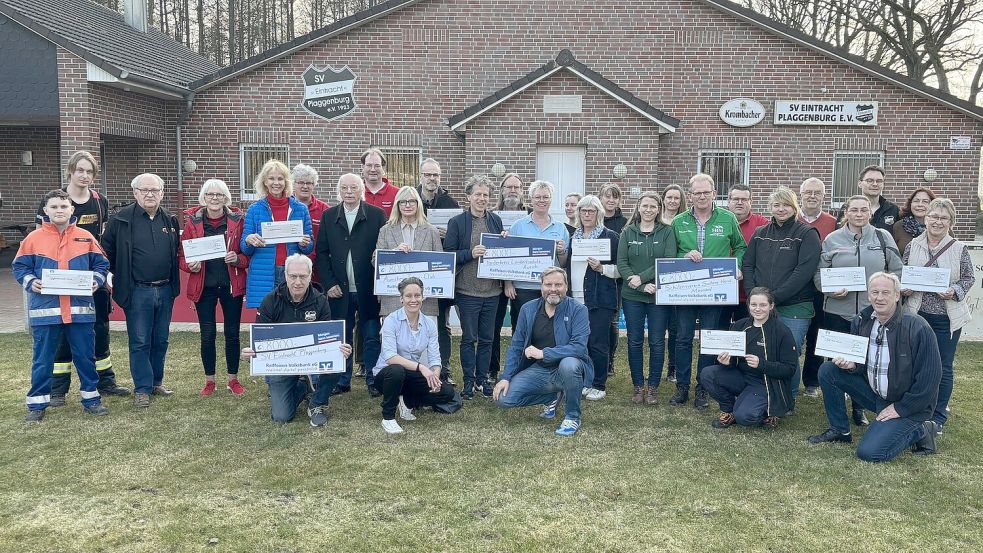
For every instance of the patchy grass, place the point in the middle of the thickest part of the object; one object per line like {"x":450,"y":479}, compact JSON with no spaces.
{"x":188,"y":470}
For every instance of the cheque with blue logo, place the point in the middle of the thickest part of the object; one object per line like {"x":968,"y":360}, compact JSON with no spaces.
{"x":435,"y":269}
{"x":517,"y":258}
{"x":680,"y":281}
{"x":297,"y":348}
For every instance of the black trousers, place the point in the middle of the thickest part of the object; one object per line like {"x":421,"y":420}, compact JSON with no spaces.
{"x":444,"y":307}
{"x":395,"y":380}
{"x":494,"y":366}
{"x":61,"y":381}
{"x":231,"y":315}
{"x":810,"y":369}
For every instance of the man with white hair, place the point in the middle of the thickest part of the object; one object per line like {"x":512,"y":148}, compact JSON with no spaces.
{"x":296,"y":301}
{"x":305,"y":182}
{"x":547,"y":359}
{"x":899,"y":380}
{"x":141,"y":242}
{"x":345,"y":243}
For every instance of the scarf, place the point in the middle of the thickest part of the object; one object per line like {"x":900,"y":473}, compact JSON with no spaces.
{"x":911,"y":225}
{"x":579,"y":233}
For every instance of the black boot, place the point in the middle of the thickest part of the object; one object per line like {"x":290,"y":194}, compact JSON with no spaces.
{"x":680,"y":397}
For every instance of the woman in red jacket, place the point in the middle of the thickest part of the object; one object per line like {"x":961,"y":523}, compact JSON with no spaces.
{"x":221,"y":280}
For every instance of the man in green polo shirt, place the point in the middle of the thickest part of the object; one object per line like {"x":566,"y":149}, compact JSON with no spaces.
{"x":703,"y":231}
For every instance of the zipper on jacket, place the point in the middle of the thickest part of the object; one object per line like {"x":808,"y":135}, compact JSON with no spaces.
{"x":765,"y":375}
{"x":856,"y":295}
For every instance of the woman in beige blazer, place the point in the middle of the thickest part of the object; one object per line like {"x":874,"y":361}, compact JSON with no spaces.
{"x":408,"y":231}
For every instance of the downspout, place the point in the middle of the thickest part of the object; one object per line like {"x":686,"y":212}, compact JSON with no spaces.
{"x":182,"y":119}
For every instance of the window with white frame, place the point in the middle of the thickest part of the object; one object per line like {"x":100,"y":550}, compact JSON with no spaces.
{"x":846,"y":173}
{"x":727,"y":167}
{"x":402,"y":165}
{"x":252,"y":157}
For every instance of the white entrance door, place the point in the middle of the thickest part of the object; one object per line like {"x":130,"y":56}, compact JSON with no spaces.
{"x":565,"y":167}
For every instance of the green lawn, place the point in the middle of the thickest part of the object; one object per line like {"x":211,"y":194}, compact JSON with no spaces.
{"x":635,"y":478}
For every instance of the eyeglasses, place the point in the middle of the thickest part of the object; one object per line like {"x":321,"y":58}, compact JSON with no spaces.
{"x":431,"y":175}
{"x":149,"y":191}
{"x":700,"y":194}
{"x":304,"y":183}
{"x":214,"y":195}
{"x":811,"y":193}
{"x":874,"y":181}
{"x":943,"y":218}
{"x":541,"y":198}
{"x":588,"y":211}
{"x":406,"y":202}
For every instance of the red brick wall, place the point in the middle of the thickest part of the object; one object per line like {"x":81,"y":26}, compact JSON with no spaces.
{"x":22,"y":186}
{"x":432,"y":60}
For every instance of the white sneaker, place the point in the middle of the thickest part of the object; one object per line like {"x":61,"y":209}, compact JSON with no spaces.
{"x":405,"y":412}
{"x":391,"y":426}
{"x":585,"y":391}
{"x":596,"y":394}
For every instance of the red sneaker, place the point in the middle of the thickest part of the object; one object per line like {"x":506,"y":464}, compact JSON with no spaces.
{"x":208,"y":390}
{"x":236,"y":388}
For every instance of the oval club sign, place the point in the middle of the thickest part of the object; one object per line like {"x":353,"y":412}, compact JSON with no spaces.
{"x":742,"y":112}
{"x":329,"y":93}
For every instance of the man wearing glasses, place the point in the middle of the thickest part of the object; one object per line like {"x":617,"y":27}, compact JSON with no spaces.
{"x":141,"y":242}
{"x":305,"y":182}
{"x":899,"y":380}
{"x":378,"y":190}
{"x":885,"y":212}
{"x":703,"y":231}
{"x":739,"y":203}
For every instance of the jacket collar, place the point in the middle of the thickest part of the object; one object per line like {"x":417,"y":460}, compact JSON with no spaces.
{"x":358,"y":217}
{"x":867,"y":316}
{"x":197,"y":214}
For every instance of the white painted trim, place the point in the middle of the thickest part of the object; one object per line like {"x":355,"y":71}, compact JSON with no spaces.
{"x":96,"y":74}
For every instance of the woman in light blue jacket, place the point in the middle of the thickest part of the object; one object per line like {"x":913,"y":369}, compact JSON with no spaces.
{"x":276,"y":203}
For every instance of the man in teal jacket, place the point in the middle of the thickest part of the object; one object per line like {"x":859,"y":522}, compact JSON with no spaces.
{"x":703,"y":231}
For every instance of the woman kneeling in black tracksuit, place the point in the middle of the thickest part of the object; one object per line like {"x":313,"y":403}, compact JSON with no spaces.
{"x":754,"y":390}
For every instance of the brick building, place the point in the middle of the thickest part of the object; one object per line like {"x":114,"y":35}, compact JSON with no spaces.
{"x":563,"y":90}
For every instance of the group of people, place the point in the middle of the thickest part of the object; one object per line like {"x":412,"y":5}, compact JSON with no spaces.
{"x":563,"y":342}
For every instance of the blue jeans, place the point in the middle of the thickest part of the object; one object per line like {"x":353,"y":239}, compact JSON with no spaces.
{"x":882,"y":441}
{"x":477,"y":334}
{"x":538,"y":385}
{"x":148,"y":320}
{"x":709,"y":316}
{"x":286,"y":393}
{"x":737,"y":394}
{"x":799,"y":328}
{"x":81,"y":340}
{"x":947,"y":348}
{"x":369,"y":329}
{"x":636,"y":314}
{"x":599,"y":344}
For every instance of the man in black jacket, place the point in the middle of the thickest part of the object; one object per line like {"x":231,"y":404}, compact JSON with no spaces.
{"x":435,"y":197}
{"x":345,"y":243}
{"x":884,"y":212}
{"x":141,"y":242}
{"x":899,"y":381}
{"x":296,"y":301}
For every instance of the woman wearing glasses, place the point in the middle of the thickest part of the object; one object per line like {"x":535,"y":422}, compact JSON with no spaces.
{"x":946,"y":312}
{"x":274,"y":186}
{"x":600,"y":290}
{"x":216,"y":281}
{"x":408,"y":231}
{"x":912,"y":222}
{"x":856,"y":244}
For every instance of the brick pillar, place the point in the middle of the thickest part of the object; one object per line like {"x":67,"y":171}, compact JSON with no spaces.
{"x":78,"y":130}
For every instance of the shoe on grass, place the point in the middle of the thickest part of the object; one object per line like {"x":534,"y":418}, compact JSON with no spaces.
{"x":34,"y":415}
{"x":208,"y":390}
{"x":770,"y":422}
{"x":339,"y":389}
{"x":161,"y":390}
{"x":638,"y":395}
{"x":56,"y":401}
{"x":725,"y":420}
{"x":927,"y":445}
{"x":859,"y":417}
{"x":405,"y":412}
{"x":680,"y":397}
{"x":811,"y":391}
{"x":317,"y":416}
{"x":700,"y":401}
{"x":831,"y":435}
{"x":97,"y":410}
{"x":391,"y":426}
{"x":596,"y":395}
{"x":114,"y":390}
{"x":549,"y":410}
{"x":360,"y":373}
{"x":141,"y":401}
{"x":651,"y":395}
{"x":671,"y":374}
{"x":585,"y":391}
{"x":234,"y":387}
{"x":568,"y":427}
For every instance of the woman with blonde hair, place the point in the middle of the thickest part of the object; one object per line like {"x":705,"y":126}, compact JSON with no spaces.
{"x":274,"y":186}
{"x":408,"y":231}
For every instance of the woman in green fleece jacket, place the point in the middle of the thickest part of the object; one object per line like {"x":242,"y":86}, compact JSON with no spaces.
{"x":644,"y":240}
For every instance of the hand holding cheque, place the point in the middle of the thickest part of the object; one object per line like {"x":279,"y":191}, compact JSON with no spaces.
{"x":64,"y":282}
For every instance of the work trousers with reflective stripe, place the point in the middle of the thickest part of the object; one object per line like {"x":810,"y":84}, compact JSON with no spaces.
{"x":81,"y":340}
{"x":62,"y":380}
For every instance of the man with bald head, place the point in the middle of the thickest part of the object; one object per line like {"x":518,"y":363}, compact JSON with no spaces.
{"x":141,"y":242}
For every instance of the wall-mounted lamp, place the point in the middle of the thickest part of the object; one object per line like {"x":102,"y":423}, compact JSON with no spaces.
{"x":620,"y":171}
{"x":930,"y":175}
{"x":189,"y":166}
{"x":498,"y":170}
{"x":27,"y":158}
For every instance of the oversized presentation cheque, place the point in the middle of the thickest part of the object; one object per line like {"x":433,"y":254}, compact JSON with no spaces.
{"x":515,"y":257}
{"x":681,"y":281}
{"x":297,"y":348}
{"x":435,"y":269}
{"x":838,"y":344}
